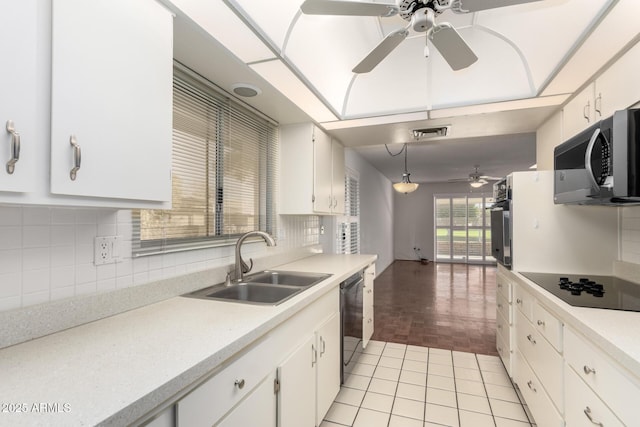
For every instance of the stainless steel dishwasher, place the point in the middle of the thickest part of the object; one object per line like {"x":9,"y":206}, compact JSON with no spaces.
{"x":351,"y":295}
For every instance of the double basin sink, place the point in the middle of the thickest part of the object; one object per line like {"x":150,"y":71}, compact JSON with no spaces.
{"x":269,"y":287}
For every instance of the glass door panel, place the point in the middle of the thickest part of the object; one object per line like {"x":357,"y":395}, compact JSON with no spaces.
{"x":443,"y":243}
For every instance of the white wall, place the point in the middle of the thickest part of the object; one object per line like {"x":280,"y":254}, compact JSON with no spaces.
{"x":376,"y":211}
{"x":413,"y":225}
{"x":46,"y":254}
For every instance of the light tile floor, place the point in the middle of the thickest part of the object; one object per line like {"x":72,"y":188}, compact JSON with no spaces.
{"x":398,"y":385}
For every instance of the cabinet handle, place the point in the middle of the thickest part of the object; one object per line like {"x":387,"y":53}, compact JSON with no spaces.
{"x":499,"y":326}
{"x":324,"y":346}
{"x":531,"y":339}
{"x":540,"y":322}
{"x":587,"y":412}
{"x":15,"y":147}
{"x":239,"y":384}
{"x":585,"y":111}
{"x":587,"y":370}
{"x":499,"y":305}
{"x":518,"y":301}
{"x":530,"y":385}
{"x":314,"y":356}
{"x":77,"y":157}
{"x":597,"y":105}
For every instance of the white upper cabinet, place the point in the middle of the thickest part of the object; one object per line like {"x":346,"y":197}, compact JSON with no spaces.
{"x":112,"y":94}
{"x":18,"y":45}
{"x":311,"y":172}
{"x":615,"y":89}
{"x":96,"y":72}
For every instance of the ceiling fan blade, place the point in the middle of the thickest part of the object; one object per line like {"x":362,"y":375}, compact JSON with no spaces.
{"x":452,"y":47}
{"x":490,"y":178}
{"x":349,"y":8}
{"x":468,"y":6}
{"x":384,"y":48}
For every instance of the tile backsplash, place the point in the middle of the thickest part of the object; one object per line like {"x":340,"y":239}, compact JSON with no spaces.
{"x":630,"y":234}
{"x":46,"y":254}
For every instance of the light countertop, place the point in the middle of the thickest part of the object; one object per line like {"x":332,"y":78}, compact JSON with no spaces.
{"x":115,"y":370}
{"x":616,"y":332}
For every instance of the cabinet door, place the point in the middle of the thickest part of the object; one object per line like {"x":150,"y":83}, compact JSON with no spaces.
{"x":578,"y":113}
{"x":328,"y":380}
{"x":112,"y":71}
{"x":257,"y":409}
{"x":18,"y":46}
{"x":297,"y":375}
{"x":618,"y":87}
{"x":338,"y":184}
{"x":367,"y":305}
{"x":322,"y":159}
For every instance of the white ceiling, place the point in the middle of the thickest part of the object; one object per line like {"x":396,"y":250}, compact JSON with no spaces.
{"x":532,"y":58}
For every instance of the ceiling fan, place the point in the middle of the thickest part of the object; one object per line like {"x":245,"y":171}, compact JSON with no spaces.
{"x":421,"y":15}
{"x":476,"y":179}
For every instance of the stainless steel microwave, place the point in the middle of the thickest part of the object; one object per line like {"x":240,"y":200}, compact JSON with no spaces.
{"x":600,"y":165}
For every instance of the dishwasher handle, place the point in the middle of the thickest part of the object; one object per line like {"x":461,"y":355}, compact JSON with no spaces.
{"x":347,"y":285}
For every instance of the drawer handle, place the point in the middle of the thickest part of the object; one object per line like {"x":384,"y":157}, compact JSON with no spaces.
{"x":530,"y":385}
{"x":77,"y":157}
{"x":531,"y":339}
{"x":518,"y":301}
{"x":540,"y":322}
{"x":587,"y":412}
{"x":239,"y":384}
{"x":500,"y":285}
{"x":15,"y":147}
{"x":499,"y":326}
{"x":499,"y":305}
{"x":324,"y":346}
{"x":314,"y":356}
{"x":587,"y":370}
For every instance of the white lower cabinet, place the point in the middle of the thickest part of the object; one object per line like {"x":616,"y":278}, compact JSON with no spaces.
{"x":367,"y":304}
{"x":289,"y":378}
{"x":584,"y":407}
{"x":257,"y":409}
{"x":504,"y":318}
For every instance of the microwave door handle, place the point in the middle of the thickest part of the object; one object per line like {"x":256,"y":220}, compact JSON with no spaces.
{"x":587,"y":160}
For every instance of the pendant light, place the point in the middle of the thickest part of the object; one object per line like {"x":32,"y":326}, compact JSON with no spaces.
{"x":405,"y":186}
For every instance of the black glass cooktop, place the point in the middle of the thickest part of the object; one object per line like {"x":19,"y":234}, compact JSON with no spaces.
{"x":590,"y":291}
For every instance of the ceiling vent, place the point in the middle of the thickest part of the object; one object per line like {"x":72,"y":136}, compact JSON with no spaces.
{"x":431,"y":132}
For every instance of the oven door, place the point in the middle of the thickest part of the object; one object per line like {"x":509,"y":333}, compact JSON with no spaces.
{"x":501,"y":235}
{"x":583,"y":166}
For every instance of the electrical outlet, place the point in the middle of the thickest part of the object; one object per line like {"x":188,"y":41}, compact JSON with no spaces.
{"x":106,"y":250}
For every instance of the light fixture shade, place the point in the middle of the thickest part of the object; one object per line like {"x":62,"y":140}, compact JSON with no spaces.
{"x":477,"y":184}
{"x":405,"y":187}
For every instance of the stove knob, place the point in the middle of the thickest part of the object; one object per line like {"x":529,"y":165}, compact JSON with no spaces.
{"x":598,"y":294}
{"x":575,"y":291}
{"x":584,"y":280}
{"x":597,"y":287}
{"x":564,"y":279}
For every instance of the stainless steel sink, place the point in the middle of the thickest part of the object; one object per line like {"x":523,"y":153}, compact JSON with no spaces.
{"x":266,"y":287}
{"x":290,"y":278}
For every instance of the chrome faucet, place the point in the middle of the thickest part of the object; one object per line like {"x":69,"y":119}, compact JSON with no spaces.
{"x":241,"y":267}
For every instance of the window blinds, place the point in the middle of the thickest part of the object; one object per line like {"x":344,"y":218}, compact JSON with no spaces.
{"x":349,"y":226}
{"x":224,"y":172}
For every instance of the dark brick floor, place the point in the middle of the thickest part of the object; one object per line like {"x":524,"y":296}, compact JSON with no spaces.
{"x":449,"y":306}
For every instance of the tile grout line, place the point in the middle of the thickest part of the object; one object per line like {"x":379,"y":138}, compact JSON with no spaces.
{"x":484,"y":386}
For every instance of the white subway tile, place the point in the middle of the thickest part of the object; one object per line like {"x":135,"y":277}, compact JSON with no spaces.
{"x":154,"y":275}
{"x":123,"y":216}
{"x":62,"y":293}
{"x":88,"y":288}
{"x":63,"y":235}
{"x":84,"y":254}
{"x":36,"y":216}
{"x":124,"y":268}
{"x":10,"y":215}
{"x":62,"y":277}
{"x":10,"y":285}
{"x":36,"y":236}
{"x":140,"y":265}
{"x":86,"y":216}
{"x":124,"y":281}
{"x":107,"y":285}
{"x":85,"y":234}
{"x":141,"y":278}
{"x":125,"y":229}
{"x":63,"y":216}
{"x":35,"y":298}
{"x":35,"y":281}
{"x":107,"y":230}
{"x":106,"y":271}
{"x":86,"y":273}
{"x":35,"y":258}
{"x":107,"y":216}
{"x":63,"y":256}
{"x":155,"y":262}
{"x":10,"y":303}
{"x":11,"y":237}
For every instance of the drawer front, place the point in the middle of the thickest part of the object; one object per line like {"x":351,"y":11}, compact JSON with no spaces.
{"x":548,"y":325}
{"x":503,"y":286}
{"x":583,"y":407}
{"x":617,"y":388}
{"x":504,"y":308}
{"x":215,"y":397}
{"x":540,"y":405}
{"x":542,"y":357}
{"x":523,"y":301}
{"x":504,"y":350}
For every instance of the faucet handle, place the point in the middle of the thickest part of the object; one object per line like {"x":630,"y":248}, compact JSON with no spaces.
{"x":227,"y":281}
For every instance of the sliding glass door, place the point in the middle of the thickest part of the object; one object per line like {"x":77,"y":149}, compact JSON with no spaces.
{"x":463,"y":228}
